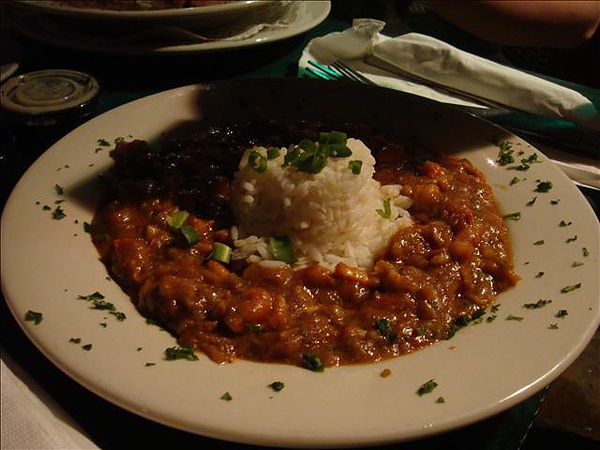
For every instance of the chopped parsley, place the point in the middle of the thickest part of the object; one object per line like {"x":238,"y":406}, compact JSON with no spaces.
{"x":539,"y":274}
{"x":553,"y":326}
{"x":561,"y":314}
{"x":75,"y":340}
{"x":571,"y":239}
{"x":570,"y":288}
{"x":525,"y":162}
{"x":563,"y":223}
{"x":384,"y":329}
{"x":173,"y":353}
{"x":540,"y":242}
{"x":87,"y":347}
{"x":312,"y":362}
{"x":539,"y":304}
{"x":513,"y":317}
{"x":58,"y":213}
{"x":226,"y":397}
{"x":576,"y":264}
{"x":505,"y":155}
{"x":440,"y":400}
{"x":59,"y":189}
{"x":543,"y":186}
{"x":97,"y":301}
{"x":427,"y":387}
{"x":532,"y":201}
{"x":513,"y":216}
{"x":585,"y":252}
{"x":33,"y":316}
{"x":276,"y":386}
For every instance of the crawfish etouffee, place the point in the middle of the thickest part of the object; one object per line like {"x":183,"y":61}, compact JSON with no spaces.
{"x":300,"y":242}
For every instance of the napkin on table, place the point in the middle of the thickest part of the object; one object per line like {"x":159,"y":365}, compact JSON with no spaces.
{"x":401,"y":62}
{"x":434,"y":61}
{"x":31,"y":419}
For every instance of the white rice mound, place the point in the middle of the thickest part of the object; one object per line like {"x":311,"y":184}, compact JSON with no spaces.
{"x":329,"y":217}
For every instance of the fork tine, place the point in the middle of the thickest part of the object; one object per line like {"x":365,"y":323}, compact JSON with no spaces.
{"x":317,"y":74}
{"x":331,"y":74}
{"x":350,"y":73}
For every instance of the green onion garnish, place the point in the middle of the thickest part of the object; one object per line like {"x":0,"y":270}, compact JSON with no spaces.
{"x":273,"y":152}
{"x":386,"y":212}
{"x":311,"y":157}
{"x":190,"y":234}
{"x":221,"y":253}
{"x":282,"y":250}
{"x":355,"y":166}
{"x":177,"y":220}
{"x":257,"y":161}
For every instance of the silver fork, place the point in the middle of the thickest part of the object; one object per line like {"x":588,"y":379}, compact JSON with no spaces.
{"x":338,"y":70}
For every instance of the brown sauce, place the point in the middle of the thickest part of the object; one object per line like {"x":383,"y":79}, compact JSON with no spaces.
{"x":445,"y":269}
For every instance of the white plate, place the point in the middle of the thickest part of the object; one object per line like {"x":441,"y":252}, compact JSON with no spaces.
{"x":483,"y":370}
{"x":179,"y":35}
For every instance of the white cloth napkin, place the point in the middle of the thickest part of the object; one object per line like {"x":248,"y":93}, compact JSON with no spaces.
{"x":435,"y":61}
{"x":31,"y":419}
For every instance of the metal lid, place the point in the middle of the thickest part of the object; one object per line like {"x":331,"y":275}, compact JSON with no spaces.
{"x":48,"y":97}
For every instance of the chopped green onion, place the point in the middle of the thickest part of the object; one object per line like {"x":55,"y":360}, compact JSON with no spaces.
{"x":311,"y":157}
{"x":257,"y":161}
{"x":335,"y":143}
{"x":190,"y":234}
{"x":273,"y":152}
{"x":282,"y":250}
{"x":177,"y":220}
{"x":355,"y":166}
{"x":221,"y":252}
{"x":386,"y":212}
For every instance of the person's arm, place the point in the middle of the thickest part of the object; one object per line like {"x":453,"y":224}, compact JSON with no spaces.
{"x":536,"y":23}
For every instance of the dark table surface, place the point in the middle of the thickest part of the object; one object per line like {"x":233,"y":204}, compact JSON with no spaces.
{"x":567,"y":412}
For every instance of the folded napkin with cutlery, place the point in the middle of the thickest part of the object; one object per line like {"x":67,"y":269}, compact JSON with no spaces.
{"x":431,"y":68}
{"x":419,"y":57}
